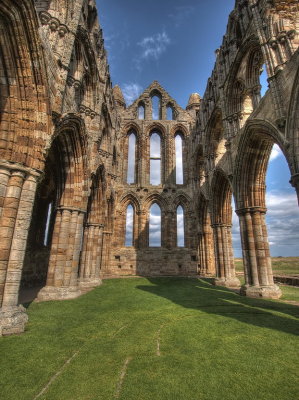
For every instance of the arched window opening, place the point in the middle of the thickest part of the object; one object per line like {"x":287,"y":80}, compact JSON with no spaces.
{"x":169,"y":113}
{"x":180,"y":226}
{"x":282,"y":208}
{"x":49,"y":214}
{"x":179,"y":174}
{"x":129,"y":226}
{"x":263,"y":80}
{"x":155,"y":159}
{"x":141,"y":111}
{"x":156,"y":107}
{"x":131,"y":158}
{"x":155,"y":226}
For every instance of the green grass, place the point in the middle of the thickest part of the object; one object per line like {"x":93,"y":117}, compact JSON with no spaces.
{"x":214,"y":345}
{"x":280,"y":265}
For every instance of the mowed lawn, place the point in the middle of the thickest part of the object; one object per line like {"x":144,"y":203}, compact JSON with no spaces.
{"x":154,"y":339}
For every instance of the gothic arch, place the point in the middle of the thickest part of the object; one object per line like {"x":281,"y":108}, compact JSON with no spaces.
{"x":251,"y":164}
{"x":183,"y":200}
{"x":214,"y":138}
{"x":155,"y":198}
{"x":24,"y":104}
{"x":129,"y":198}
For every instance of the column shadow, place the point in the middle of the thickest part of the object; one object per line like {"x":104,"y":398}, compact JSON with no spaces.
{"x":201,"y":295}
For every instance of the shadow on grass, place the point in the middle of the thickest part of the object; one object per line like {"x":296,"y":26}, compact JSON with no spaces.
{"x":201,"y":295}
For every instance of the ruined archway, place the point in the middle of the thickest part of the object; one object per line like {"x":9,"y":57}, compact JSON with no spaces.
{"x":221,"y":218}
{"x":250,"y":174}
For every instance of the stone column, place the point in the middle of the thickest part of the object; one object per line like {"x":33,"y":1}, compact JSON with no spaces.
{"x":17,"y":192}
{"x":91,"y":256}
{"x":256,"y":255}
{"x":225,"y":268}
{"x":294,"y":182}
{"x":62,"y":281}
{"x":202,"y":254}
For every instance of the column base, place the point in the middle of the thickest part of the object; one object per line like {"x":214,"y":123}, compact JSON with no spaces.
{"x":12,"y":320}
{"x":49,"y":293}
{"x":228,"y":282}
{"x":86,"y":285}
{"x":265,"y":292}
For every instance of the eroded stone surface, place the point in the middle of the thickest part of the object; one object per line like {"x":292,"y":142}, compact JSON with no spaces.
{"x":64,"y":154}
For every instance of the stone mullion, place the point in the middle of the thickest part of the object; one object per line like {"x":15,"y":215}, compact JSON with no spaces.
{"x":8,"y":223}
{"x":77,"y":248}
{"x":143,"y":229}
{"x":19,"y":241}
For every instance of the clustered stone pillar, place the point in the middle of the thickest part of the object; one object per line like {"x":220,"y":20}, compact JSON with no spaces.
{"x":206,"y":254}
{"x":224,"y":257}
{"x":256,"y":254}
{"x":17,"y":192}
{"x":62,"y":280}
{"x":91,"y":256}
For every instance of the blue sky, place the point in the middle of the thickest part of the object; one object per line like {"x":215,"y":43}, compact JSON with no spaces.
{"x":174,"y":42}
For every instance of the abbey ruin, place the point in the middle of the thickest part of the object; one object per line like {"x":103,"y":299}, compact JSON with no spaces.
{"x":68,"y":184}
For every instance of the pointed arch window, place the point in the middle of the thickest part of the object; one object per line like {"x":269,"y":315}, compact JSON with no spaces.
{"x":180,"y":226}
{"x":169,"y":113}
{"x":155,"y":226}
{"x":155,"y":159}
{"x":129,"y":236}
{"x":141,"y":111}
{"x":131,"y":173}
{"x":179,"y":172}
{"x":156,"y":107}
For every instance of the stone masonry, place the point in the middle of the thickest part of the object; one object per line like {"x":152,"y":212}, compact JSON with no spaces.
{"x":64,"y":150}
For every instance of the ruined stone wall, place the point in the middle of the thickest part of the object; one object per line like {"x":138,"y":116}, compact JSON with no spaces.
{"x":64,"y":145}
{"x":236,"y":129}
{"x":141,"y":258}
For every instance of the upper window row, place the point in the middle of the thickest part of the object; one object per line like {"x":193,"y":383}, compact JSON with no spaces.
{"x":157,"y":113}
{"x":155,"y":159}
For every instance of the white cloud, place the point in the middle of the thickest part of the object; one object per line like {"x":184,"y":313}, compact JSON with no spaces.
{"x":153,"y":46}
{"x":282,"y":220}
{"x":180,"y":14}
{"x":131,"y":92}
{"x":155,"y":226}
{"x":275,"y":153}
{"x":179,"y":160}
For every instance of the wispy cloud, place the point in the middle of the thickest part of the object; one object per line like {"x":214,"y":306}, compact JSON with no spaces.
{"x":180,"y":14}
{"x":282,"y":224}
{"x":131,"y":92}
{"x":153,"y":46}
{"x":276,"y":152}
